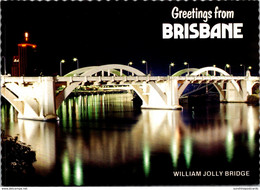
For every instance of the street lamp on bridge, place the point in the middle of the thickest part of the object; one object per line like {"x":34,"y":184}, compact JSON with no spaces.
{"x":214,"y":72}
{"x":186,"y":63}
{"x":3,"y":57}
{"x":129,"y":64}
{"x":171,"y":65}
{"x":145,"y":62}
{"x":242,"y":65}
{"x":61,"y":62}
{"x":229,"y":67}
{"x":76,"y":60}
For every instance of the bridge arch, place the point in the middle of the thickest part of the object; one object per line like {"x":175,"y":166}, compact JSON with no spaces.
{"x":205,"y":71}
{"x":115,"y":69}
{"x":183,"y":71}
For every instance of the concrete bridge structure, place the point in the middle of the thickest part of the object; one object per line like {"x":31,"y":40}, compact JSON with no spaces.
{"x":38,"y":98}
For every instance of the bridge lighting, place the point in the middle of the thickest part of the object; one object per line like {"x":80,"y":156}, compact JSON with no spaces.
{"x":186,"y":63}
{"x":228,"y":66}
{"x":214,"y":72}
{"x":76,"y":60}
{"x":171,"y":65}
{"x":130,"y":63}
{"x":61,"y":62}
{"x":242,"y":65}
{"x":145,"y":62}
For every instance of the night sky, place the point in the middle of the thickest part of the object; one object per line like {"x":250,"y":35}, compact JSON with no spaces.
{"x":99,"y":33}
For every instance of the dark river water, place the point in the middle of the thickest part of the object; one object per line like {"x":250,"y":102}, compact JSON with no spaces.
{"x":103,"y":140}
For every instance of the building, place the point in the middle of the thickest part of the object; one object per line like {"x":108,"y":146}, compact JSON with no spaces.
{"x":24,"y":63}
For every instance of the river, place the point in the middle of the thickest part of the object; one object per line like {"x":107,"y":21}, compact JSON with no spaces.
{"x":104,"y":140}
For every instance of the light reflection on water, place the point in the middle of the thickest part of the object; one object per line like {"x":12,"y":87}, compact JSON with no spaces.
{"x":103,"y":131}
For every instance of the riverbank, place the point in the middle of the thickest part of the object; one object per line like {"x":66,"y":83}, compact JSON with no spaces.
{"x":17,"y":159}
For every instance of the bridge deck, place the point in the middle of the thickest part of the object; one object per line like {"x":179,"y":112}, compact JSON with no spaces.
{"x":5,"y":79}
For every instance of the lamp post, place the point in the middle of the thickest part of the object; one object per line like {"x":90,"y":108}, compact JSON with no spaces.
{"x":129,"y":63}
{"x":214,"y":72}
{"x":186,"y":63}
{"x":228,"y":66}
{"x":248,"y":74}
{"x":171,"y":65}
{"x":242,"y":65}
{"x":61,"y":62}
{"x":145,"y":62}
{"x":3,"y":57}
{"x":76,"y":60}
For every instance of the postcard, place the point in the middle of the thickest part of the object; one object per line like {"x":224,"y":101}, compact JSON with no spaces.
{"x":130,"y":93}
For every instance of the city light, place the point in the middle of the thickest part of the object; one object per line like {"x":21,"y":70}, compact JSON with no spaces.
{"x":130,"y":63}
{"x":214,"y":72}
{"x":171,"y":65}
{"x":242,"y":65}
{"x":249,"y":68}
{"x":61,"y":62}
{"x":186,"y":63}
{"x":26,"y":44}
{"x":229,"y":67}
{"x":26,"y":35}
{"x":146,"y":64}
{"x":76,"y":60}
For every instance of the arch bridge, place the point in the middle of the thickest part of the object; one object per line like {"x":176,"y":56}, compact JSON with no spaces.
{"x":38,"y":98}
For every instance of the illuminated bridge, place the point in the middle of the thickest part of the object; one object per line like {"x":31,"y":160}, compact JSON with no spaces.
{"x":39,"y":97}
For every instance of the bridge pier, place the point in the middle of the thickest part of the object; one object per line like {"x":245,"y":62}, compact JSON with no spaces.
{"x":161,"y":95}
{"x":234,"y":92}
{"x":33,"y":100}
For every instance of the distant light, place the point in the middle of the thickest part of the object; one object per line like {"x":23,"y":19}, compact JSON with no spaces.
{"x":75,"y":59}
{"x":26,"y":34}
{"x":27,"y":44}
{"x":249,"y":67}
{"x":130,"y":63}
{"x":143,"y":61}
{"x":227,"y":65}
{"x":172,"y":64}
{"x":62,"y":61}
{"x":185,"y":63}
{"x":214,"y":65}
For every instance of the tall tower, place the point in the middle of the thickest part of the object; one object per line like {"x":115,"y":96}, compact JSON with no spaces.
{"x":23,"y":63}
